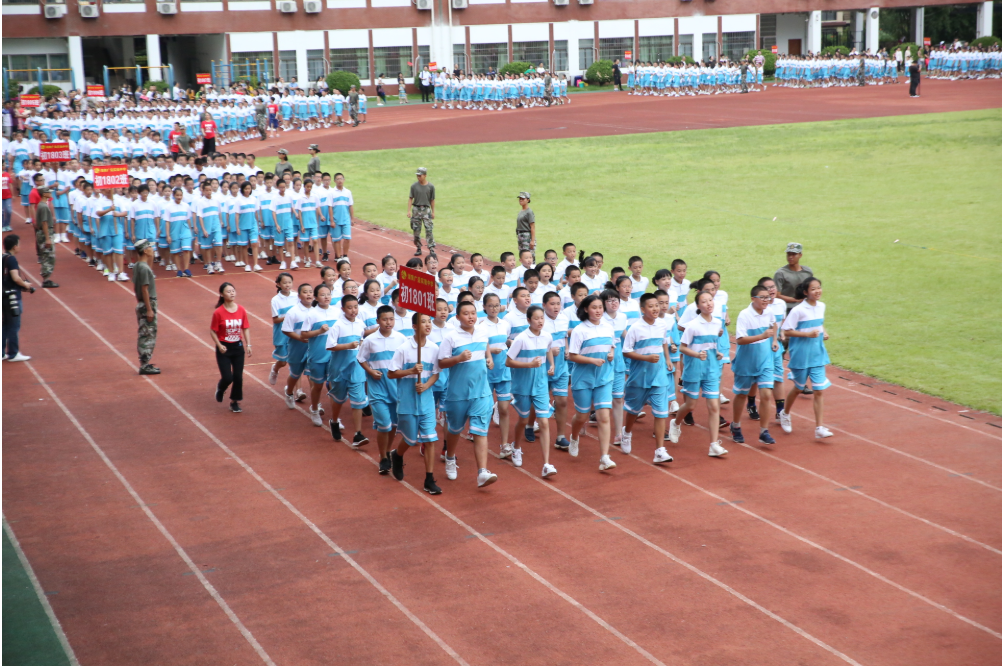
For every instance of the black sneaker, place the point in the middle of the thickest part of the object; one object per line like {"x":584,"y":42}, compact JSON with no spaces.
{"x":385,"y":465}
{"x":530,"y":436}
{"x":736,"y":434}
{"x":149,"y":369}
{"x":417,"y":252}
{"x":335,"y":429}
{"x":219,"y":394}
{"x":688,"y":420}
{"x":359,"y":440}
{"x":49,"y":284}
{"x":397,"y":465}
{"x":431,"y":487}
{"x":592,"y":418}
{"x":235,"y":407}
{"x":724,"y":422}
{"x":367,"y":411}
{"x":753,"y":413}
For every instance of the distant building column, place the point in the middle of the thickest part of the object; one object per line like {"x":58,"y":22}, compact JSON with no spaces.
{"x":858,"y":19}
{"x":77,"y":63}
{"x":153,"y":60}
{"x":814,"y":32}
{"x":917,"y":25}
{"x":984,"y":28}
{"x":873,"y":29}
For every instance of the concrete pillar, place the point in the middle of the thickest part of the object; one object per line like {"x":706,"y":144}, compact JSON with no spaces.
{"x":857,"y":30}
{"x":573,"y":57}
{"x":873,"y":29}
{"x":302,"y":66}
{"x":128,"y":52}
{"x":153,"y":57}
{"x":917,"y":25}
{"x":77,"y":62}
{"x":814,"y":32}
{"x":697,"y":45}
{"x":984,"y":19}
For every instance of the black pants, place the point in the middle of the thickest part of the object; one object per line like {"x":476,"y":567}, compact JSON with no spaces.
{"x":208,"y":146}
{"x":231,"y":369}
{"x":913,"y":88}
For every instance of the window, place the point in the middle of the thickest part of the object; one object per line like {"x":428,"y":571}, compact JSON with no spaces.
{"x":29,"y":64}
{"x":59,"y":62}
{"x":391,"y":61}
{"x":586,"y":53}
{"x":685,"y":45}
{"x":653,"y":49}
{"x":709,"y":45}
{"x":287,"y":65}
{"x":485,"y":56}
{"x":316,"y":64}
{"x":560,"y":63}
{"x":459,"y":56}
{"x":533,"y":52}
{"x":351,"y":60}
{"x":424,"y":55}
{"x":614,"y":48}
{"x":737,"y":44}
{"x":248,"y":64}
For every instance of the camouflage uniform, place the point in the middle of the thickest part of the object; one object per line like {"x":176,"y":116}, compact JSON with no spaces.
{"x":524,"y":241}
{"x":422,"y":215}
{"x":147,"y":339}
{"x":46,"y":255}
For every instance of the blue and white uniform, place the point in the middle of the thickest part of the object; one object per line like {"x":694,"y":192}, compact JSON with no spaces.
{"x":753,"y":363}
{"x":648,"y":383}
{"x":293,"y":323}
{"x":499,"y":377}
{"x":558,"y":329}
{"x":280,"y":306}
{"x":385,"y":280}
{"x":317,"y":355}
{"x":468,"y":395}
{"x":377,"y":350}
{"x":619,"y":325}
{"x":345,"y":376}
{"x":591,"y":385}
{"x":808,"y":356}
{"x":177,"y":216}
{"x":208,"y":211}
{"x":639,"y":287}
{"x":341,"y":202}
{"x":531,"y":384}
{"x":778,"y":311}
{"x":701,"y":375}
{"x":416,"y":412}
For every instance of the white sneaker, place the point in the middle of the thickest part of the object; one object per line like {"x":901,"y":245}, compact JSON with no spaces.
{"x":661,"y":455}
{"x":548,"y":470}
{"x":282,"y":266}
{"x":247,"y":269}
{"x":716,"y":450}
{"x":219,"y":267}
{"x":208,"y":270}
{"x":262,"y":255}
{"x":626,"y":442}
{"x":516,"y":457}
{"x":674,"y":431}
{"x":19,"y":358}
{"x":673,"y":407}
{"x":496,"y":417}
{"x":111,"y":277}
{"x":309,"y":264}
{"x":573,"y":448}
{"x":123,"y":277}
{"x":724,"y":399}
{"x":273,"y":376}
{"x":605,"y":463}
{"x":294,"y":266}
{"x":535,"y":426}
{"x":257,"y":268}
{"x":450,"y":469}
{"x":506,"y":450}
{"x":821,"y":432}
{"x":100,"y":266}
{"x":315,"y":417}
{"x":785,"y":422}
{"x":290,"y":401}
{"x":300,"y":395}
{"x":486,"y":478}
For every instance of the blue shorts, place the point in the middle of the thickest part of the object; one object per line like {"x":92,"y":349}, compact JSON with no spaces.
{"x":342,"y":391}
{"x":281,"y":352}
{"x":323,"y":230}
{"x":213,"y":237}
{"x":618,"y":384}
{"x":709,"y":386}
{"x":341,"y":232}
{"x":524,"y":404}
{"x":658,"y":397}
{"x":62,"y":215}
{"x":245,"y":236}
{"x":308,"y":234}
{"x":477,"y":411}
{"x":180,"y":245}
{"x":558,"y":382}
{"x":284,"y":233}
{"x":502,"y":390}
{"x":587,"y":399}
{"x":416,"y":428}
{"x":296,"y":365}
{"x":267,"y":233}
{"x":116,"y":243}
{"x":743,"y":383}
{"x":316,"y":372}
{"x":777,"y":366}
{"x":384,"y":415}
{"x":819,"y":382}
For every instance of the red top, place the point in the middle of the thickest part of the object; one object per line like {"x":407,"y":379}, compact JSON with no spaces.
{"x":273,"y":109}
{"x":34,"y":197}
{"x":6,"y":185}
{"x":229,"y":325}
{"x":172,"y":141}
{"x":209,"y":129}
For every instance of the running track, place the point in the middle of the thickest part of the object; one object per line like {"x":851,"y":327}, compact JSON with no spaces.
{"x":166,"y":530}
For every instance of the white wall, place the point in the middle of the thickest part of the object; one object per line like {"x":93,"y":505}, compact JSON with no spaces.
{"x":791,"y":26}
{"x":250,"y":42}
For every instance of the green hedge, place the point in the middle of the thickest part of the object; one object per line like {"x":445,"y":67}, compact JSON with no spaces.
{"x":674,"y":60}
{"x":987,"y":42}
{"x":769,"y":66}
{"x":47,"y":91}
{"x":910,"y":46}
{"x":516,"y":68}
{"x":343,"y":81}
{"x":832,"y":50}
{"x":600,"y":73}
{"x":161,"y":86}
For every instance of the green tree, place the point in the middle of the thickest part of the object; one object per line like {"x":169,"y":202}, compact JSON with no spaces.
{"x":518,"y":67}
{"x":343,"y":81}
{"x":600,"y":73}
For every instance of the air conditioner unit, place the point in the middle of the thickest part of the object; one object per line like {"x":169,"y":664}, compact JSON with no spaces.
{"x":561,"y":3}
{"x":312,"y":6}
{"x":55,"y":11}
{"x":88,"y":10}
{"x":460,"y":4}
{"x":287,"y":6}
{"x":423,"y":5}
{"x":169,"y":7}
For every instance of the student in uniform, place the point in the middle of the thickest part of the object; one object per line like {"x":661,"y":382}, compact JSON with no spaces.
{"x":498,"y":331}
{"x":369,"y":305}
{"x":438,"y":330}
{"x":777,"y":309}
{"x":570,"y":259}
{"x":628,"y":305}
{"x":415,"y":400}
{"x":530,"y":358}
{"x":591,"y":277}
{"x":753,"y":361}
{"x":720,"y":311}
{"x":639,"y":282}
{"x":557,"y":325}
{"x":388,"y":278}
{"x":313,"y":331}
{"x":281,"y":303}
{"x":619,"y":323}
{"x":805,"y":328}
{"x":345,"y":376}
{"x":499,"y":289}
{"x":376,"y":359}
{"x":592,"y":350}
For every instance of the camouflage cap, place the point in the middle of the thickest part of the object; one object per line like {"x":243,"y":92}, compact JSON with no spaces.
{"x":421,"y":171}
{"x":142,"y":244}
{"x":283,"y":151}
{"x":42,"y":190}
{"x":795,"y":248}
{"x":524,"y":195}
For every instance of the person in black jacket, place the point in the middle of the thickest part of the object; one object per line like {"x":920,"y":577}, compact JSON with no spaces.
{"x":914,"y":78}
{"x":617,"y":75}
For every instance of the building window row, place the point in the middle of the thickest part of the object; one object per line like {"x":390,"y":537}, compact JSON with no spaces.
{"x":25,"y":67}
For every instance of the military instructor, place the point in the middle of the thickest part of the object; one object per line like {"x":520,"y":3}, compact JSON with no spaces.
{"x":421,"y":211}
{"x":144,"y":282}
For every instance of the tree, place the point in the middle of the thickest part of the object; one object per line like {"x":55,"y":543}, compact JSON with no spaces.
{"x":343,"y":81}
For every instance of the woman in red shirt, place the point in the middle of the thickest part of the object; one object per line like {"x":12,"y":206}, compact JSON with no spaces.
{"x":208,"y":134}
{"x":230,"y":332}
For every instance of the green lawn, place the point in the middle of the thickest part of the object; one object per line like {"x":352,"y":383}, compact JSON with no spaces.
{"x":922,"y":312}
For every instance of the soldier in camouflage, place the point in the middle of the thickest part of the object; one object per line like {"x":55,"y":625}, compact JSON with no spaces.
{"x":421,"y":211}
{"x":45,"y":231}
{"x":144,"y":282}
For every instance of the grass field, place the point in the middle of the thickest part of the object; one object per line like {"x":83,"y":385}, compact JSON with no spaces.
{"x":922,"y":312}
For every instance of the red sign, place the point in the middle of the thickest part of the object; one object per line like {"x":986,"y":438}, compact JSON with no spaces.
{"x":54,"y":152}
{"x":775,"y":49}
{"x":432,"y":65}
{"x":107,"y":177}
{"x":203,"y":79}
{"x":927,"y":41}
{"x":628,"y":55}
{"x":95,"y":91}
{"x":30,"y":100}
{"x":417,"y":291}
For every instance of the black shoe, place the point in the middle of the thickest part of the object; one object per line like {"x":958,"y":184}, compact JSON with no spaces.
{"x":417,"y":252}
{"x":530,"y":436}
{"x":385,"y":465}
{"x":397,"y":465}
{"x":367,"y":411}
{"x":736,"y":434}
{"x":235,"y":407}
{"x":359,"y":440}
{"x":335,"y":429}
{"x":592,"y":418}
{"x":49,"y":284}
{"x":325,"y":256}
{"x":149,"y":370}
{"x":219,"y":394}
{"x":753,"y":413}
{"x":724,"y":422}
{"x":806,"y":391}
{"x":431,"y":487}
{"x":688,"y":420}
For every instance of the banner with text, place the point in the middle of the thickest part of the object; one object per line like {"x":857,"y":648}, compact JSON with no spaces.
{"x":95,"y":91}
{"x":54,"y":152}
{"x":107,"y":177}
{"x":30,"y":100}
{"x":203,"y":79}
{"x":417,"y":291}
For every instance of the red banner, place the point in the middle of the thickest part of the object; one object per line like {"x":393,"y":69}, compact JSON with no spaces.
{"x":107,"y":177}
{"x":54,"y":152}
{"x":433,"y":66}
{"x":628,"y":55}
{"x":30,"y":100}
{"x":417,"y":291}
{"x":927,"y":41}
{"x":95,"y":91}
{"x":775,"y":49}
{"x":203,"y":79}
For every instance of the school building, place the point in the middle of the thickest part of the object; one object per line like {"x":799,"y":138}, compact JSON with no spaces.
{"x":73,"y":41}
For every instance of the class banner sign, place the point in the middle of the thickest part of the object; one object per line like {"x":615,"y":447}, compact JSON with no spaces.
{"x":107,"y":177}
{"x":417,"y":291}
{"x":628,"y":55}
{"x":203,"y":79}
{"x":30,"y":100}
{"x":54,"y":152}
{"x":95,"y":91}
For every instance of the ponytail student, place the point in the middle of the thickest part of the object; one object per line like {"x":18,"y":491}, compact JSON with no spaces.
{"x":617,"y":320}
{"x":281,"y":303}
{"x":369,"y":305}
{"x":591,"y":277}
{"x":230,"y":331}
{"x":701,"y":374}
{"x":317,"y":322}
{"x":720,"y":311}
{"x":591,"y":351}
{"x":558,"y":325}
{"x":292,"y":325}
{"x":649,"y":381}
{"x":628,"y":305}
{"x":498,"y":332}
{"x":415,"y":400}
{"x":753,"y":361}
{"x":376,"y":358}
{"x":531,"y":361}
{"x":345,"y":376}
{"x":805,"y":328}
{"x":388,"y":278}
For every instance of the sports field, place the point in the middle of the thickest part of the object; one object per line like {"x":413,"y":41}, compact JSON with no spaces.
{"x":730,"y":200}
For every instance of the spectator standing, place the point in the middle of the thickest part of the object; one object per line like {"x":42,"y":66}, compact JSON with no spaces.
{"x":401,"y":89}
{"x":8,"y":197}
{"x":313,"y":166}
{"x":789,"y":277}
{"x":44,"y":234}
{"x":283,"y":164}
{"x":230,"y":331}
{"x":525,"y":225}
{"x":13,"y":285}
{"x":617,"y":75}
{"x":144,"y":282}
{"x":914,"y":78}
{"x":208,"y":134}
{"x":421,"y":211}
{"x":425,"y":84}
{"x":353,"y":105}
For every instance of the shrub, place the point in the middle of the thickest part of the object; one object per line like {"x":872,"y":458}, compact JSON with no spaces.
{"x":47,"y":91}
{"x":600,"y":73}
{"x":987,"y":42}
{"x":769,"y":66}
{"x":161,"y":86}
{"x":343,"y":81}
{"x":516,"y":68}
{"x":674,"y":60}
{"x":910,"y":46}
{"x":832,"y":50}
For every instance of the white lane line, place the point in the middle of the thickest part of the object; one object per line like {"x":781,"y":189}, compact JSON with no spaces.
{"x":40,"y":593}
{"x":156,"y":522}
{"x":818,"y":546}
{"x":316,"y":530}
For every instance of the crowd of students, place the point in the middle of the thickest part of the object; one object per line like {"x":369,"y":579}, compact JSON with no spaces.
{"x":819,"y":71}
{"x":965,"y":62}
{"x":542,"y":338}
{"x":680,"y":79}
{"x":493,"y":92}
